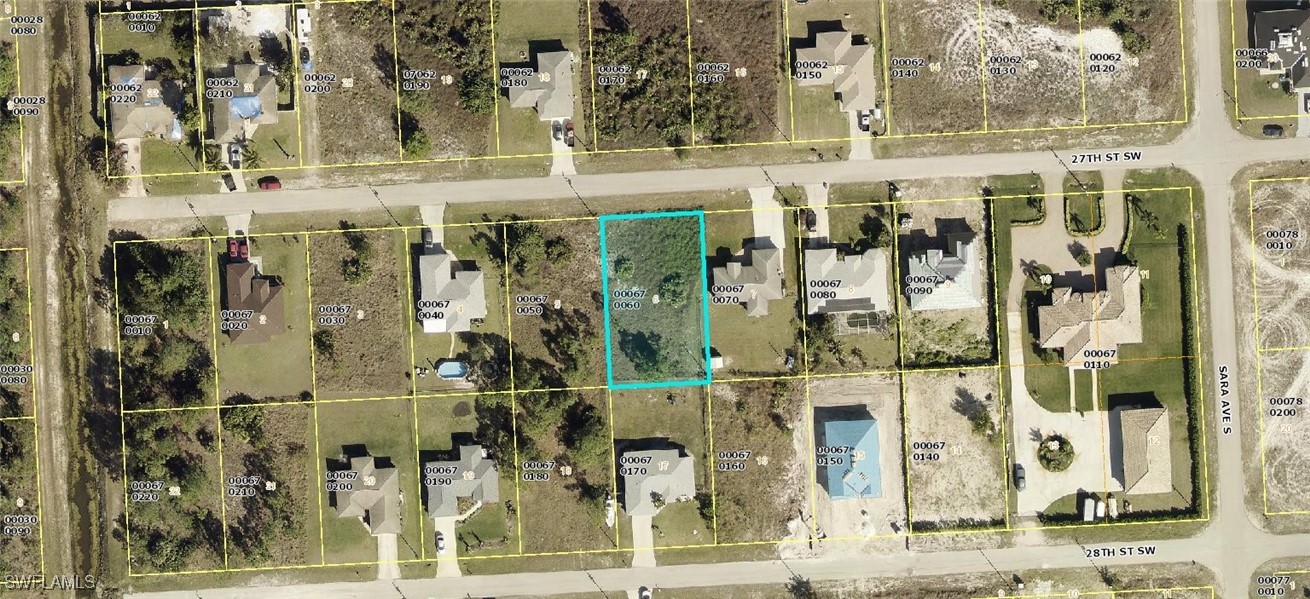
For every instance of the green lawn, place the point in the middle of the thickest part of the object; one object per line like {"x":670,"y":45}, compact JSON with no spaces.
{"x":159,"y":156}
{"x":389,"y":433}
{"x":280,"y":367}
{"x":277,"y":144}
{"x":752,"y":344}
{"x":1084,"y":213}
{"x":818,"y":114}
{"x":1083,"y":399}
{"x":1154,"y":244}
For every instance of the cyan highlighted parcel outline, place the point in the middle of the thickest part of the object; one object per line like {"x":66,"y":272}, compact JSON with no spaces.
{"x":656,"y":297}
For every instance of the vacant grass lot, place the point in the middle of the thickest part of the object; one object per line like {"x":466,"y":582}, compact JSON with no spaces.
{"x":923,"y":99}
{"x":451,"y":91}
{"x":356,"y":120}
{"x":160,"y":282}
{"x":564,"y":346}
{"x":636,"y":38}
{"x":170,"y":50}
{"x":523,"y":28}
{"x":20,"y":552}
{"x":486,"y":346}
{"x":759,"y":470}
{"x":567,"y":513}
{"x":753,"y":345}
{"x":354,"y":274}
{"x":167,"y":532}
{"x":446,"y":422}
{"x":278,"y":369}
{"x":660,"y":417}
{"x":15,"y":337}
{"x":657,"y":289}
{"x":271,"y":527}
{"x":389,"y":433}
{"x":817,"y":114}
{"x":739,"y":92}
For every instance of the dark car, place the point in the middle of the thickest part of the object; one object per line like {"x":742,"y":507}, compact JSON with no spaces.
{"x":1273,"y":130}
{"x":270,"y":184}
{"x":811,"y":220}
{"x":1020,"y":477}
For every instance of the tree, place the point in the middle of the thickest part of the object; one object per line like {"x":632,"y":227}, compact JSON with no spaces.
{"x":623,"y":268}
{"x":558,"y":250}
{"x":801,"y":588}
{"x":657,"y":500}
{"x":673,"y":289}
{"x":417,"y":143}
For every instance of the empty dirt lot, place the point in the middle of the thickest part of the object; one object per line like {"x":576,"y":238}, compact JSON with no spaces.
{"x":1285,"y":379}
{"x":957,"y":475}
{"x":1282,"y":262}
{"x":355,"y":92}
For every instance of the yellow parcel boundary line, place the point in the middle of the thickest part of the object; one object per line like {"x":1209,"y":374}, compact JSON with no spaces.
{"x":36,"y":425}
{"x":793,"y":210}
{"x":1077,"y":593}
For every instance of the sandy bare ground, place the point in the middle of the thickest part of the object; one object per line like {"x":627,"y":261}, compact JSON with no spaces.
{"x":956,"y":475}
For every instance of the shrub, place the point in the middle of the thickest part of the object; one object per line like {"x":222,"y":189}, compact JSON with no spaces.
{"x":1055,"y":453}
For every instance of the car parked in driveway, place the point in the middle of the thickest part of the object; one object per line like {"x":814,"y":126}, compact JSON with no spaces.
{"x":1020,"y":477}
{"x":441,"y":543}
{"x":1272,"y":130}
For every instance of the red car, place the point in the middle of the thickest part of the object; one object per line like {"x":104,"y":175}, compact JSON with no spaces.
{"x":245,"y":252}
{"x":232,"y":248}
{"x":270,"y":184}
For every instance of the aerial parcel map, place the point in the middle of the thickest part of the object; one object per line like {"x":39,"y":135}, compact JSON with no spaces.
{"x":677,"y":299}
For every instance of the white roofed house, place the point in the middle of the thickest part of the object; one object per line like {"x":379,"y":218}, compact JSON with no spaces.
{"x":549,"y":89}
{"x":837,"y":283}
{"x":472,"y":476}
{"x":368,"y":492}
{"x":654,"y":477}
{"x":836,"y":59}
{"x":945,"y":278}
{"x":450,"y":298}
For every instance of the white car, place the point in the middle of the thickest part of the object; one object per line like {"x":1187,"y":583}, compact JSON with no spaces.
{"x":441,"y":544}
{"x":643,"y":592}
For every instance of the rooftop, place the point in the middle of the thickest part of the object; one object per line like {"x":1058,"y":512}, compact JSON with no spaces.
{"x":849,"y":69}
{"x":247,"y":289}
{"x":857,"y":282}
{"x":254,"y":102}
{"x":1281,"y":33}
{"x":664,"y":472}
{"x":473,"y":475}
{"x":1078,"y":322}
{"x":1144,"y":463}
{"x":854,"y":468}
{"x":752,"y":281}
{"x":550,"y":89}
{"x":946,"y":278}
{"x":369,"y":493}
{"x":149,"y":106}
{"x":450,"y":298}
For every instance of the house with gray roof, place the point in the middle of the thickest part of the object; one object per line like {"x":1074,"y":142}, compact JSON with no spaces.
{"x":837,"y":283}
{"x":945,"y":278}
{"x":752,"y":281}
{"x":141,"y":106}
{"x":1091,"y":325}
{"x":253,"y":102}
{"x":1281,"y":33}
{"x":1141,"y":459}
{"x":666,"y":474}
{"x":550,"y":89}
{"x":473,"y":476}
{"x":450,"y":298}
{"x":836,"y":59}
{"x":369,"y":493}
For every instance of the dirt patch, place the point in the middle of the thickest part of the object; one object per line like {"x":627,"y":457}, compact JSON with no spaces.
{"x":1285,"y":379}
{"x":936,"y":83}
{"x":1282,"y":261}
{"x":957,"y":474}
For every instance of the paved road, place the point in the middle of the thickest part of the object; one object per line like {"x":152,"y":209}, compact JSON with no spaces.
{"x":1231,"y":545}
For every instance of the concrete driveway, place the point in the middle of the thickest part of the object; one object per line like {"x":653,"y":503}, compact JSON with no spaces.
{"x":136,"y":186}
{"x":388,"y":554}
{"x":861,"y":141}
{"x":767,"y":217}
{"x":816,"y":194}
{"x":561,"y":157}
{"x":643,"y":540}
{"x":448,"y":564}
{"x":1091,"y":467}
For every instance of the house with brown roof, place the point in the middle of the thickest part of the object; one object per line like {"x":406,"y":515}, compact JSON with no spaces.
{"x":254,"y":308}
{"x":1091,"y":325}
{"x":368,"y":492}
{"x":1141,"y":459}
